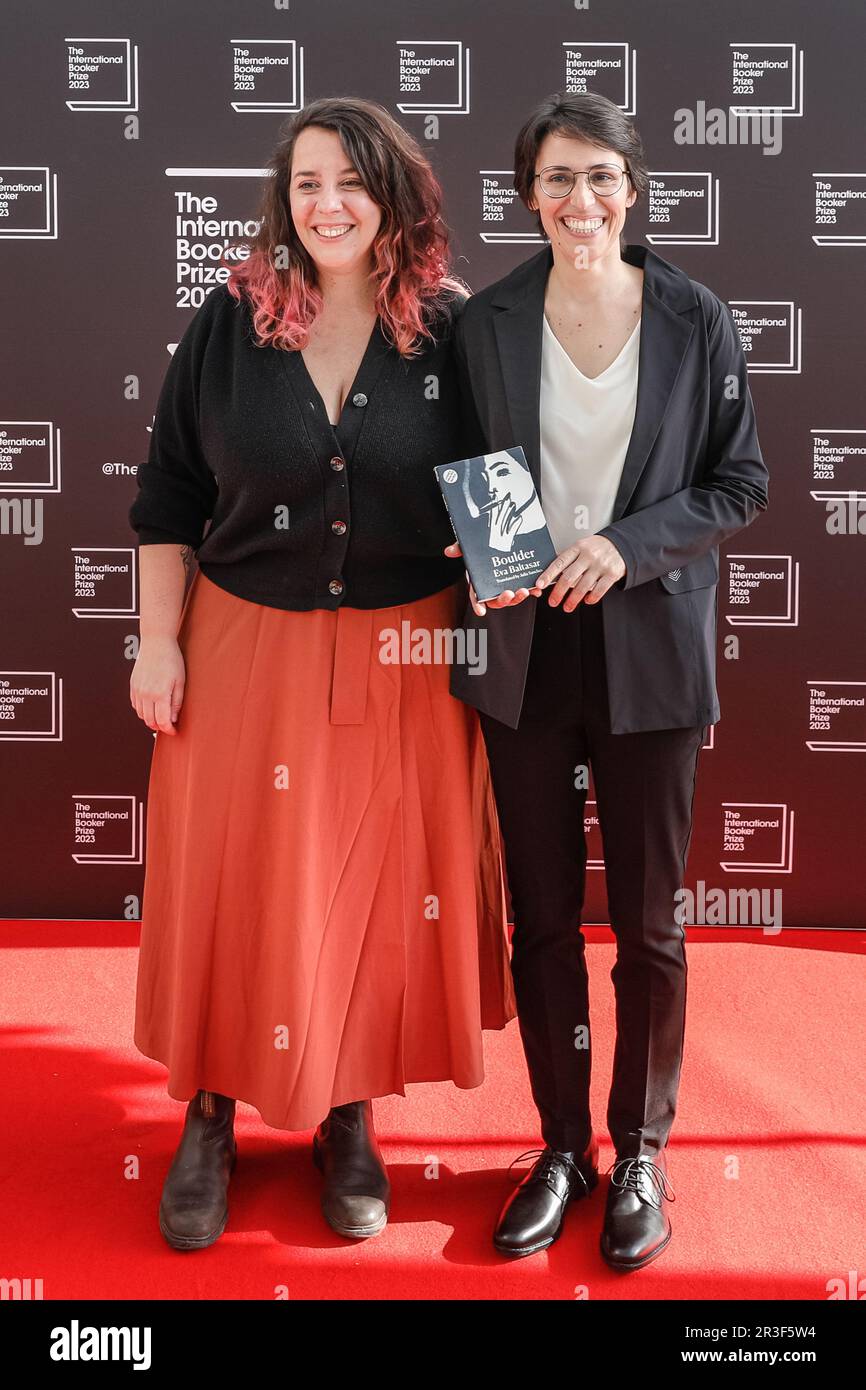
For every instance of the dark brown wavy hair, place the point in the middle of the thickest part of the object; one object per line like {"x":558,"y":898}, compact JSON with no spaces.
{"x":410,"y":250}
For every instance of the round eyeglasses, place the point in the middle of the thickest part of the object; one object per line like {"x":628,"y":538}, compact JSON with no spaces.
{"x":557,"y":181}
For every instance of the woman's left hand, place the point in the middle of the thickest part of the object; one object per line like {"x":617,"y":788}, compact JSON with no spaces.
{"x":508,"y":599}
{"x":585,"y":571}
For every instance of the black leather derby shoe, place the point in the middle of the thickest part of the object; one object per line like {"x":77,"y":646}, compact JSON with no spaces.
{"x":636,"y":1226}
{"x":532,"y":1216}
{"x":194,"y":1210}
{"x":357,"y":1193}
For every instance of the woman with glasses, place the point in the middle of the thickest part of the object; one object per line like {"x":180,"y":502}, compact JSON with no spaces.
{"x":625,"y":382}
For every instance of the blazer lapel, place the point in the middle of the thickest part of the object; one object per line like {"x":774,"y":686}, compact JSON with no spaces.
{"x":664,"y":338}
{"x":518,"y":338}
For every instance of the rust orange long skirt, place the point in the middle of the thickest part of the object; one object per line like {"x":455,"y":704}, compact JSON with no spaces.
{"x":324,"y":912}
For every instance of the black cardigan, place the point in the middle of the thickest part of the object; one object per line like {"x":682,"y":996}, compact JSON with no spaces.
{"x":302,"y":516}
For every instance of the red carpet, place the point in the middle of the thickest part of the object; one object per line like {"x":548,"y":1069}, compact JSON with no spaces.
{"x":766,"y":1156}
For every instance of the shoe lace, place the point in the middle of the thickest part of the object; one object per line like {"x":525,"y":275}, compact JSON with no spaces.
{"x":632,"y":1171}
{"x":548,"y":1162}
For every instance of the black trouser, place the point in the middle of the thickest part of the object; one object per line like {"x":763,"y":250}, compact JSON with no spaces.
{"x":644,"y":785}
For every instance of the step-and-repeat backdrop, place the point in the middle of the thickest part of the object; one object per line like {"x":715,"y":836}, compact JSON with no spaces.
{"x":132,"y":144}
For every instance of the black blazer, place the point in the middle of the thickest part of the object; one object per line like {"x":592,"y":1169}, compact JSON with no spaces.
{"x":693,"y":476}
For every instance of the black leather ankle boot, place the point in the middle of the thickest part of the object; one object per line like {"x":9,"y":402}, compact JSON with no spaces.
{"x":193,"y":1211}
{"x":357,"y":1192}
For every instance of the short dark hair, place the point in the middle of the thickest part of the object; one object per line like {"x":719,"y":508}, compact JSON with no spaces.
{"x":585,"y":116}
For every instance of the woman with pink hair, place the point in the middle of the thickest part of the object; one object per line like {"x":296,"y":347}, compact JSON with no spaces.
{"x":324,"y":913}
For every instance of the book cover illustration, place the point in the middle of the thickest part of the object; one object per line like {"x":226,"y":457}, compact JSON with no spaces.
{"x":497,"y":518}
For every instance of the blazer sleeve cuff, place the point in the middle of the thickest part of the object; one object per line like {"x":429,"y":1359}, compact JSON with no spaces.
{"x":616,"y":538}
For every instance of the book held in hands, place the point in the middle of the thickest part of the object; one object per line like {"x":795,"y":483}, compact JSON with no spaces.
{"x":497,"y":518}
